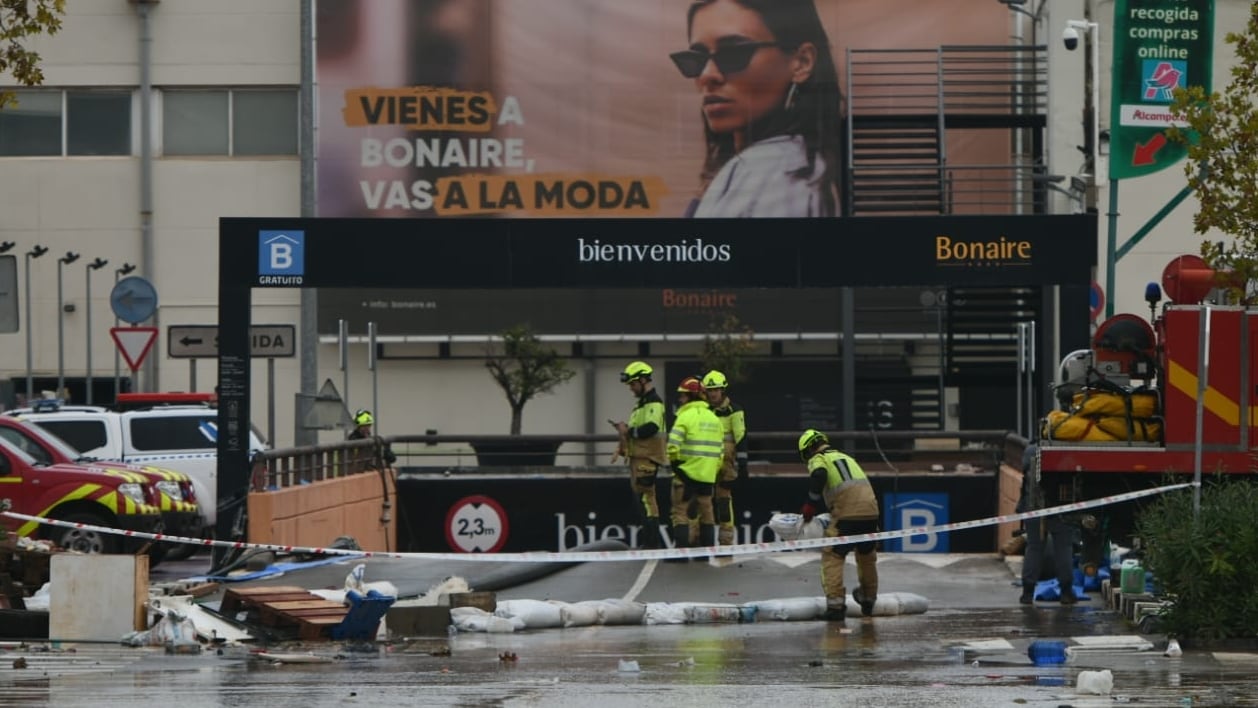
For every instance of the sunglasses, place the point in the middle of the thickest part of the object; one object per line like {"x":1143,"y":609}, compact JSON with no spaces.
{"x":729,"y":59}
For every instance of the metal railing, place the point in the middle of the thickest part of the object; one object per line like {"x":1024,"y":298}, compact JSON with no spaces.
{"x":771,"y":453}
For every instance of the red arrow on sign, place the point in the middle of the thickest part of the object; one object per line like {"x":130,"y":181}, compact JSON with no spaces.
{"x":134,"y":343}
{"x":1143,"y":154}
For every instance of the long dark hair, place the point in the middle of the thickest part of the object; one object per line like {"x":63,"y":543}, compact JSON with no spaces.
{"x":815,"y":115}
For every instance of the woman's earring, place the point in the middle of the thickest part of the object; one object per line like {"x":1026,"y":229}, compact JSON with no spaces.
{"x":789,"y":103}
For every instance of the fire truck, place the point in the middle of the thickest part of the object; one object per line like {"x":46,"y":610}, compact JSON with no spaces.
{"x":1145,"y":402}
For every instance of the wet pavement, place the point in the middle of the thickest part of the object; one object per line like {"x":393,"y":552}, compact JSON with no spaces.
{"x":907,"y":660}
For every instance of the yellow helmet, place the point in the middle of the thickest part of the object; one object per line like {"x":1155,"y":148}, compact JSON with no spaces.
{"x":808,"y":440}
{"x":714,"y":379}
{"x":634,"y":371}
{"x":363,"y":417}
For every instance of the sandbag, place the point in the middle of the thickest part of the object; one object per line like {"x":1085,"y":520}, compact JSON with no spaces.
{"x":792,"y":527}
{"x":579,"y":614}
{"x":535,"y":614}
{"x":719,"y":613}
{"x":617,"y":612}
{"x":790,"y":609}
{"x":474,"y":619}
{"x":664,"y":613}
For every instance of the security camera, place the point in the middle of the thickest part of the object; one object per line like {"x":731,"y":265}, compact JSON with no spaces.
{"x":1070,"y":37}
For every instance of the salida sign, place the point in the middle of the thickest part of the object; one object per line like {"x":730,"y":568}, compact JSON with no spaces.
{"x":1159,"y":46}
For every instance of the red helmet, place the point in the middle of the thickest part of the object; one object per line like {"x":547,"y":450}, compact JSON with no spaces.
{"x":690,"y":384}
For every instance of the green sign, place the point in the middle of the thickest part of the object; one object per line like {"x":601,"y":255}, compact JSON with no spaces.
{"x":1159,"y":45}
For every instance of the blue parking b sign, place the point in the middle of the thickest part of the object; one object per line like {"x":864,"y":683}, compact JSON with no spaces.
{"x":281,"y":253}
{"x":906,"y":511}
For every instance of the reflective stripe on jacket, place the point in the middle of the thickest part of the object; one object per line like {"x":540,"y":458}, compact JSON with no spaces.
{"x":649,"y":411}
{"x":735,"y":426}
{"x":695,"y":442}
{"x":847,"y":493}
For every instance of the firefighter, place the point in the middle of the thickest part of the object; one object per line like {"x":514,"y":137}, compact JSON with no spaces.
{"x":642,"y":445}
{"x":382,"y":455}
{"x":694,"y":451}
{"x":1051,"y":535}
{"x":838,"y":480}
{"x":734,"y":459}
{"x":363,"y":420}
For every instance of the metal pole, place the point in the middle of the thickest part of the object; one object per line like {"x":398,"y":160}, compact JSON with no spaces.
{"x":1203,"y":356}
{"x":35,"y":252}
{"x":270,"y":400}
{"x":65,"y":260}
{"x":308,"y":314}
{"x":151,"y":374}
{"x":87,"y":345}
{"x":96,"y":264}
{"x":371,"y":364}
{"x":192,"y":375}
{"x":342,"y":343}
{"x":1021,"y":348}
{"x":126,"y":269}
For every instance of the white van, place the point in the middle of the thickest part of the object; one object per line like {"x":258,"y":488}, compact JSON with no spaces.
{"x":177,"y":437}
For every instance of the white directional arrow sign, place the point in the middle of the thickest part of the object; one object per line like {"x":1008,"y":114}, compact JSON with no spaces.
{"x":134,"y":343}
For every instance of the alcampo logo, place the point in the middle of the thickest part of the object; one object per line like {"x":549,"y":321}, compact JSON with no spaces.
{"x":686,"y":251}
{"x":1000,"y":251}
{"x":1162,"y":77}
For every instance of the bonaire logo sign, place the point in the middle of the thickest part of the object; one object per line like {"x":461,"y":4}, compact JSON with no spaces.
{"x":990,"y":252}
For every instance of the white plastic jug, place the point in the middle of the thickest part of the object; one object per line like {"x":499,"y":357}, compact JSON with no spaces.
{"x":1100,"y":683}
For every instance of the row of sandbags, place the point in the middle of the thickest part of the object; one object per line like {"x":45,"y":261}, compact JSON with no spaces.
{"x":1105,"y":416}
{"x":516,"y":615}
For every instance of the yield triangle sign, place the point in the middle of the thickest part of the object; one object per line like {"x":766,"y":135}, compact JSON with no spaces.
{"x":134,"y":343}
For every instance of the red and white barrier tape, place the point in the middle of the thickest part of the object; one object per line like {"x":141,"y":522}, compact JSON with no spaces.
{"x":655,"y":554}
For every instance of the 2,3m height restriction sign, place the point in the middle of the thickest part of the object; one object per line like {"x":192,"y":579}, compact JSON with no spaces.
{"x":476,"y":524}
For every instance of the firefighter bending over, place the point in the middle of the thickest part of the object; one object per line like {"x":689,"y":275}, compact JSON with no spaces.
{"x":839,"y":481}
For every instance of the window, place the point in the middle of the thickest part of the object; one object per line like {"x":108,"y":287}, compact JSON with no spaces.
{"x":194,"y":122}
{"x":98,"y":122}
{"x":83,"y":435}
{"x":55,"y":123}
{"x":32,"y":126}
{"x":23,"y":442}
{"x":229,"y":122}
{"x":193,"y":432}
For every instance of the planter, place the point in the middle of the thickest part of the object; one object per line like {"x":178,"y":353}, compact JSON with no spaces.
{"x":516,"y":453}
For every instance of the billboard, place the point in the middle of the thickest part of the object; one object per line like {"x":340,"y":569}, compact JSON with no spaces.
{"x":600,"y":109}
{"x":1159,"y":46}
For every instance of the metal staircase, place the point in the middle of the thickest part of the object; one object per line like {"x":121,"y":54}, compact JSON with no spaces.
{"x":902,"y":105}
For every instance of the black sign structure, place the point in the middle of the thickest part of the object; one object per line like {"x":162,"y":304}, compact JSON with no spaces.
{"x":612,"y":253}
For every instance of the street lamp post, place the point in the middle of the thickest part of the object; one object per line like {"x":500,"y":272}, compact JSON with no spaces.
{"x":65,"y":260}
{"x":126,"y":269}
{"x":1093,"y":30}
{"x":35,"y":252}
{"x":87,"y":312}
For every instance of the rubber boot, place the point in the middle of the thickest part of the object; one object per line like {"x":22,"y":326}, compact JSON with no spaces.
{"x":866,"y":593}
{"x":649,"y":535}
{"x":707,"y":535}
{"x":681,"y":539}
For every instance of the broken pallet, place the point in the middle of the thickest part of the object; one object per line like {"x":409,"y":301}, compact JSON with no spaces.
{"x":285,"y":609}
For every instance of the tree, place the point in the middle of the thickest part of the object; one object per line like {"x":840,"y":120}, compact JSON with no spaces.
{"x":20,"y":20}
{"x":525,"y":369}
{"x":1222,"y":169}
{"x":726,"y":346}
